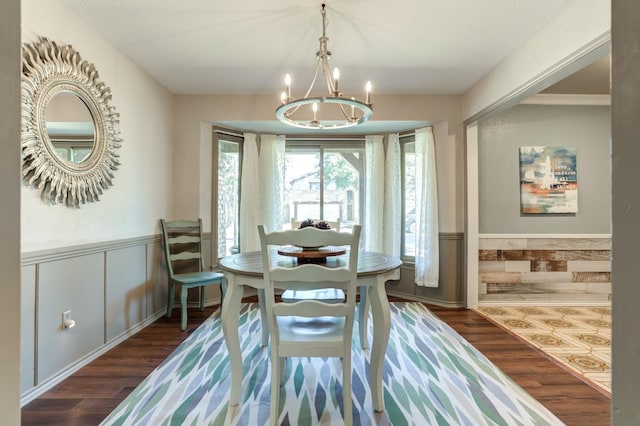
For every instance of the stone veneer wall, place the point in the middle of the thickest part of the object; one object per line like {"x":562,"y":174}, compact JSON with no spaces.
{"x":545,"y":269}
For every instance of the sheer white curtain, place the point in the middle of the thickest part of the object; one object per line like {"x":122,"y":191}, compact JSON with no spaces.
{"x":392,"y":198}
{"x":372,"y":226}
{"x":272,"y":180}
{"x":427,"y":253}
{"x":261,"y":187}
{"x":250,"y":216}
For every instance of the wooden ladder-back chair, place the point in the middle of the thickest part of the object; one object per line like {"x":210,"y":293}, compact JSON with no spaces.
{"x":296,"y":329}
{"x":182,"y":241}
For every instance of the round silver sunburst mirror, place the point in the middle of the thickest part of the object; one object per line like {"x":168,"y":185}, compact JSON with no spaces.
{"x":69,"y":131}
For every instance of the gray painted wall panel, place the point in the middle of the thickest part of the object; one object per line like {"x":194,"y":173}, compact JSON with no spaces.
{"x":27,"y":328}
{"x":156,"y":279}
{"x":450,"y":291}
{"x":75,"y":284}
{"x":126,"y":289}
{"x":587,"y":128}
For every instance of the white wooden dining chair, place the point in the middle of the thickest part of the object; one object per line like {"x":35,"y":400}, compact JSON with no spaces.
{"x":182,"y":242}
{"x":296,"y":329}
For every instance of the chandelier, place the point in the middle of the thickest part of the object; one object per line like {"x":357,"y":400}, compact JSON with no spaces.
{"x":340,"y":111}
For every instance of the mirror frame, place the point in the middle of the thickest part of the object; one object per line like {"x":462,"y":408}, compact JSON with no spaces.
{"x":47,"y":69}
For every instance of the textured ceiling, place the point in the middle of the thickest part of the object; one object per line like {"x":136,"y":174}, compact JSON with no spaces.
{"x":246,"y":47}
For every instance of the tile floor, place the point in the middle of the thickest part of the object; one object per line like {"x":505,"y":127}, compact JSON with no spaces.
{"x":579,"y":338}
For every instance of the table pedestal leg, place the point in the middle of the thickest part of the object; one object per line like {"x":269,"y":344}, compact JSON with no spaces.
{"x":230,"y":316}
{"x":381,"y":329}
{"x":363,"y":317}
{"x":264,"y":320}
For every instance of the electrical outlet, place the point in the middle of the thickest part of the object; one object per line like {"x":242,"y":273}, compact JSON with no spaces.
{"x":66,"y":317}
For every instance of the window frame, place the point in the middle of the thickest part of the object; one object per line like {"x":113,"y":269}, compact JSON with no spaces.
{"x":227,"y":136}
{"x":405,"y":139}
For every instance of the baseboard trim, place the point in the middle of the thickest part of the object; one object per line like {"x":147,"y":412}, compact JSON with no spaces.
{"x":414,"y":298}
{"x":482,"y":303}
{"x":543,"y":236}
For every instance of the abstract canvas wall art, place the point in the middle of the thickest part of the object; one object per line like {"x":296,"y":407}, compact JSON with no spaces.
{"x":548,"y":180}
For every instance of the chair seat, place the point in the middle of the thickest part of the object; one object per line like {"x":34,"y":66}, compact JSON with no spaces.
{"x":198,"y":277}
{"x":323,"y":336}
{"x":327,"y":295}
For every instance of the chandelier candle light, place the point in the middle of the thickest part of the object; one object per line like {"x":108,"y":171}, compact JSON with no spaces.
{"x":357,"y":113}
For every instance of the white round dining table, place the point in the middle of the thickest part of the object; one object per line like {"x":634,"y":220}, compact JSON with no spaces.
{"x":374,"y":270}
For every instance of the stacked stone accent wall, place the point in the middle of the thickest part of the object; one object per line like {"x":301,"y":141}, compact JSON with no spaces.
{"x":545,"y":269}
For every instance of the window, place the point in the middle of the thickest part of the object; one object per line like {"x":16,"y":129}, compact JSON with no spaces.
{"x":324,"y":181}
{"x":408,"y":161}
{"x":228,"y":157}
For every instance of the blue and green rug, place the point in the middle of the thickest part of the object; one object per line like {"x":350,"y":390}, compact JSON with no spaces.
{"x":432,"y":376}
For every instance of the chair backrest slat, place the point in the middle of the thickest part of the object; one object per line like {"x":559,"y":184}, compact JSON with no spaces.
{"x":182,"y":242}
{"x":185,"y":255}
{"x":184,"y":239}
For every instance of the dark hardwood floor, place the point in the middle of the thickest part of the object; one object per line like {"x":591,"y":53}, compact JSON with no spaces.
{"x":90,"y":394}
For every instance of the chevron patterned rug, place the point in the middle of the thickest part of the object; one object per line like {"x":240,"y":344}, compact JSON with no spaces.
{"x":432,"y":376}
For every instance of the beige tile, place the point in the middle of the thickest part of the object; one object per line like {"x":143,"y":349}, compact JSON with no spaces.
{"x":546,"y":277}
{"x":500,"y":277}
{"x":589,"y":266}
{"x":502,"y":243}
{"x":569,"y":243}
{"x":491,"y":266}
{"x":517,"y":266}
{"x":603,"y":288}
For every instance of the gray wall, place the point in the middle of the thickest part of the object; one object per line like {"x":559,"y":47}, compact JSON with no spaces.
{"x":625,"y":101}
{"x":587,"y":128}
{"x":10,"y":211}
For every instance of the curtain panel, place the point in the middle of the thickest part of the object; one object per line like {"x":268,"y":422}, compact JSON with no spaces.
{"x":373,"y":220}
{"x":250,"y":216}
{"x":261,"y":192}
{"x":427,"y":232}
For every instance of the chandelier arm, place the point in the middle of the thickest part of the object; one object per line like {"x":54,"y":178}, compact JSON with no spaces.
{"x":346,"y":116}
{"x":315,"y":77}
{"x":306,"y":95}
{"x":327,"y":75}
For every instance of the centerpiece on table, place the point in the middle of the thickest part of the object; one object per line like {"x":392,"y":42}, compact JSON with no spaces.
{"x":315,"y":254}
{"x":321,"y":224}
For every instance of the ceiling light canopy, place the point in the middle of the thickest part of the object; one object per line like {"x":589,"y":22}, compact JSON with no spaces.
{"x":338,"y":111}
